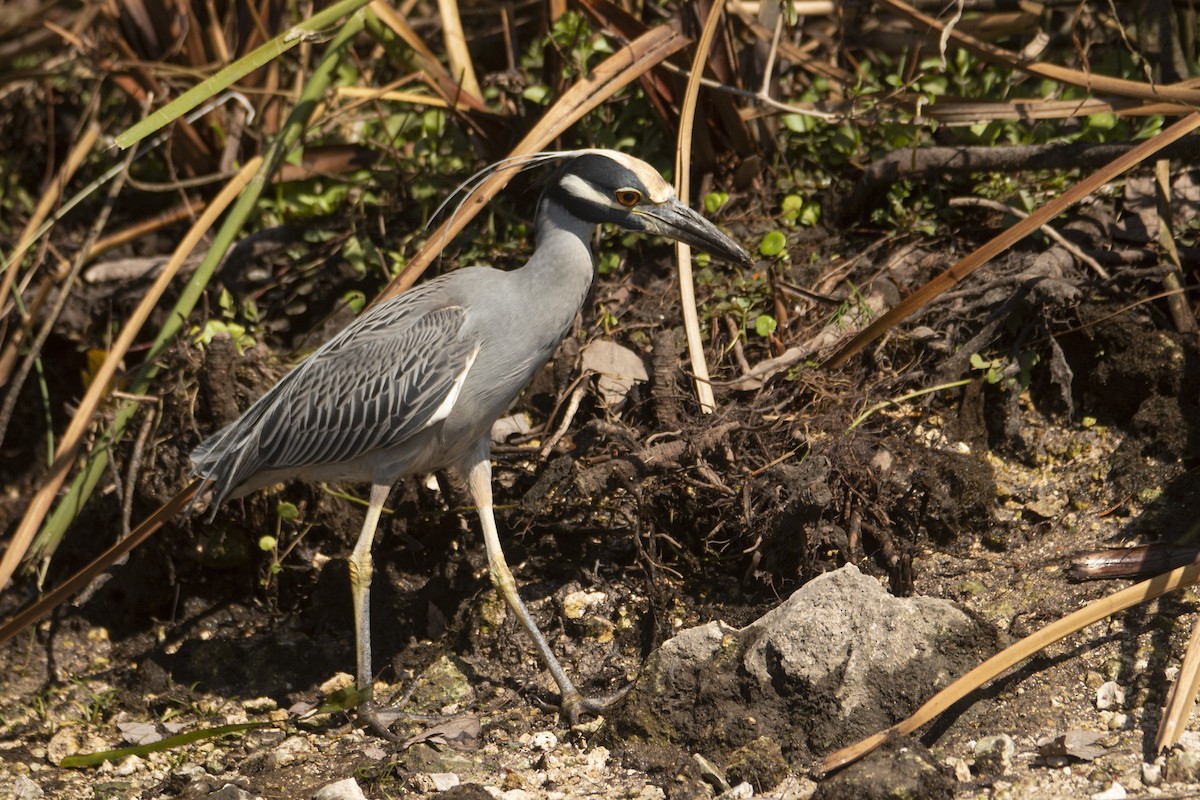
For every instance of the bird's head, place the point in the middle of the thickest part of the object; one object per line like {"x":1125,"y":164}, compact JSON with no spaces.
{"x":607,"y":186}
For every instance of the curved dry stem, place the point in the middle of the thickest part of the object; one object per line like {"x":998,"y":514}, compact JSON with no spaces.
{"x":683,"y":252}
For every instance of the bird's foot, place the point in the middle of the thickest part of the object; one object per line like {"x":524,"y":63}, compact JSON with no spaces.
{"x":573,"y":706}
{"x":378,"y":719}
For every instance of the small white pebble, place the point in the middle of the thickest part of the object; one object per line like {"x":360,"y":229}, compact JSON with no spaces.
{"x":1114,"y":792}
{"x":1151,"y":774}
{"x":259,"y":705}
{"x":129,"y":765}
{"x":1110,"y":695}
{"x":597,"y":757}
{"x":345,"y":789}
{"x":543,"y":740}
{"x":743,"y":791}
{"x":443,"y":780}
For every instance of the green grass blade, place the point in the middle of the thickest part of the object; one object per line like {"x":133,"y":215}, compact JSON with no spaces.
{"x":96,"y":759}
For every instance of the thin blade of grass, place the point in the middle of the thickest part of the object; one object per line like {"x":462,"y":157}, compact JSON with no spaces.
{"x":239,"y":69}
{"x":162,"y":745}
{"x":683,"y":252}
{"x":1012,"y":235}
{"x":614,"y":73}
{"x":29,"y":234}
{"x":1010,"y":656}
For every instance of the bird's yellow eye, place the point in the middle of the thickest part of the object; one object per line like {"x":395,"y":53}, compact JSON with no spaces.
{"x":629,"y":197}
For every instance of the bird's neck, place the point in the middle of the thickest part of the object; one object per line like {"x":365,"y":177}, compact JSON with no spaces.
{"x":562,"y":266}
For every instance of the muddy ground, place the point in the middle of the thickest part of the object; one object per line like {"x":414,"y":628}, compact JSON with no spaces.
{"x":977,"y":494}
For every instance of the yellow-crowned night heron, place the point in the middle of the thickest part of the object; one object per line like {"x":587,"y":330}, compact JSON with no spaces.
{"x":415,"y":384}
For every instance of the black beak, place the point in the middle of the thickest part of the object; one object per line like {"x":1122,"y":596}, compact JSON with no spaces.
{"x":674,"y":220}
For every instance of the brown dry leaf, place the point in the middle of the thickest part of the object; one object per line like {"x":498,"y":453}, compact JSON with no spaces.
{"x":461,"y":733}
{"x":1080,"y":745}
{"x":619,"y":369}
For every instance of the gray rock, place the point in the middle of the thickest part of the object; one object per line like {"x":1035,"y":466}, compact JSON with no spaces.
{"x":345,"y":789}
{"x":838,"y":660}
{"x":23,"y":788}
{"x":896,"y":773}
{"x":994,"y":755}
{"x":231,"y":791}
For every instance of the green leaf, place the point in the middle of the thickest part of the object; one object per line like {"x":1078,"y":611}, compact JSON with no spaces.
{"x":356,"y":299}
{"x":536,"y":93}
{"x":267,"y":543}
{"x":810,"y":215}
{"x":765,"y":325}
{"x":714,"y":200}
{"x":773,"y":243}
{"x":791,"y":205}
{"x":287,"y":511}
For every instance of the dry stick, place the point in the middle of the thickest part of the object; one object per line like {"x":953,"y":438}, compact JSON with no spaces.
{"x":683,"y":252}
{"x":85,"y":576}
{"x":1181,"y":313}
{"x":1014,"y":654}
{"x":449,"y":88}
{"x":365,"y":93}
{"x":1062,"y":241}
{"x":1179,"y":93}
{"x":1011,"y":236}
{"x":618,"y":70}
{"x":1182,"y":695}
{"x":72,"y":441}
{"x":930,"y":161}
{"x":187,"y":209}
{"x":64,"y":292}
{"x":456,"y":47}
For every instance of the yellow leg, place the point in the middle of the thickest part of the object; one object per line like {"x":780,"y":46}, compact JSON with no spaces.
{"x":478,"y":472}
{"x":360,"y":586}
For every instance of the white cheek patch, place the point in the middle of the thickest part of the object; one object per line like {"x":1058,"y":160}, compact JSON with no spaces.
{"x":578,"y":187}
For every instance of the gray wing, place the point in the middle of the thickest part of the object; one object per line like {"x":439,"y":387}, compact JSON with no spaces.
{"x":373,"y":386}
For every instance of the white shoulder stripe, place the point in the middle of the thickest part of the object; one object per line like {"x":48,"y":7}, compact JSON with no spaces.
{"x":447,"y":405}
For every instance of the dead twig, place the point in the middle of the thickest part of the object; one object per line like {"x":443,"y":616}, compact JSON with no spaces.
{"x":1062,"y":241}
